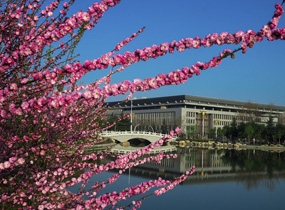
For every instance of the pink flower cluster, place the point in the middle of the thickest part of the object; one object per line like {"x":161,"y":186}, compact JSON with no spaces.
{"x":114,"y":197}
{"x":127,"y":40}
{"x":187,"y":43}
{"x":176,"y":77}
{"x":47,"y":120}
{"x":247,"y":38}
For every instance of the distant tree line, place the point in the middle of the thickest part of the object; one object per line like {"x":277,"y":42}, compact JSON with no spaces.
{"x":253,"y":132}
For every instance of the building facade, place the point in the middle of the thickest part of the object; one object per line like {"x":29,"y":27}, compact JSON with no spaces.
{"x":194,"y":115}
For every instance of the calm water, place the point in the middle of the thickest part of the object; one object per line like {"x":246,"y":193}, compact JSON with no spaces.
{"x":224,"y":179}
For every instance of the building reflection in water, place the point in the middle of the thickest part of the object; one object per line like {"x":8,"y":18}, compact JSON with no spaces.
{"x":214,"y":166}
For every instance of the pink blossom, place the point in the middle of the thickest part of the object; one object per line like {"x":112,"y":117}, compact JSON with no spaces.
{"x":223,"y":35}
{"x":12,"y":107}
{"x":229,"y":39}
{"x":41,"y":207}
{"x":25,"y":105}
{"x":2,"y":166}
{"x":160,"y":78}
{"x":19,"y":111}
{"x":85,"y":16}
{"x":114,"y":89}
{"x":172,"y":46}
{"x":164,"y":47}
{"x":194,"y":69}
{"x":87,"y":94}
{"x":21,"y":161}
{"x":123,"y":87}
{"x":41,"y":101}
{"x":2,"y":98}
{"x":3,"y":113}
{"x":177,"y":130}
{"x":7,"y":164}
{"x":180,"y":46}
{"x":153,"y":83}
{"x":13,"y":86}
{"x":196,"y":43}
{"x":97,"y":93}
{"x":214,"y":37}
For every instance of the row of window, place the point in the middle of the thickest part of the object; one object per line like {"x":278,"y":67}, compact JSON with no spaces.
{"x":223,"y":117}
{"x":190,"y":114}
{"x":219,"y":123}
{"x":190,"y":121}
{"x":153,"y":116}
{"x":224,"y":123}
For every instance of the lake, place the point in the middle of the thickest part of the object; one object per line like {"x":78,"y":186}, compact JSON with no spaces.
{"x":223,"y":179}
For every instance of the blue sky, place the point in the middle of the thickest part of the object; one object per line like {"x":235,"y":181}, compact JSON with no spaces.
{"x":257,"y":76}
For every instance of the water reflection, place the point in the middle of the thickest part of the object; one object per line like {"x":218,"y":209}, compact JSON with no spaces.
{"x":224,"y":179}
{"x":256,"y":168}
{"x":249,"y":167}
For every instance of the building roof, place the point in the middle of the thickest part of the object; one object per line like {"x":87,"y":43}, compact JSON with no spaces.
{"x":182,"y":99}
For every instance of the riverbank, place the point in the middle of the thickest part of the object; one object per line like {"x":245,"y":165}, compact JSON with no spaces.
{"x":219,"y":145}
{"x":201,"y":144}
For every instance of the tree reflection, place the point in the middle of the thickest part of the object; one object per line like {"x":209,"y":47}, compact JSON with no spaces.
{"x":256,"y":168}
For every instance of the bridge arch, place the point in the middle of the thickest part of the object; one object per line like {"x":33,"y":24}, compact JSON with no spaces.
{"x":139,"y":142}
{"x":136,"y":142}
{"x":123,"y":136}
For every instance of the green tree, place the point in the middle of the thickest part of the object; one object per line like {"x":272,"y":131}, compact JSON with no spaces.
{"x":249,"y":131}
{"x":259,"y":132}
{"x":212,"y":133}
{"x":241,"y":129}
{"x":280,"y":131}
{"x":270,"y":129}
{"x":191,"y":131}
{"x":220,"y":132}
{"x":226,"y":131}
{"x":233,"y":129}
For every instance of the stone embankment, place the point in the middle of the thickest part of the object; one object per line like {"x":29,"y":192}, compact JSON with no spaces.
{"x":236,"y":146}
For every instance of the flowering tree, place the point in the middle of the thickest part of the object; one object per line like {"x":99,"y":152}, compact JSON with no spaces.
{"x":47,"y":118}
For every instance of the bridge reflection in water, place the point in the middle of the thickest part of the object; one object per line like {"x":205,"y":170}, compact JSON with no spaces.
{"x":119,"y":149}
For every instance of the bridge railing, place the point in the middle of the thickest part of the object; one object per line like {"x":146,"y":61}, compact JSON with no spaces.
{"x":115,"y":133}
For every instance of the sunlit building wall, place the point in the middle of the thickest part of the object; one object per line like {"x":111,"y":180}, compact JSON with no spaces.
{"x":194,"y":115}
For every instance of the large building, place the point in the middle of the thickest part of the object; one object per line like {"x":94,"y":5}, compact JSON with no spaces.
{"x":194,"y":115}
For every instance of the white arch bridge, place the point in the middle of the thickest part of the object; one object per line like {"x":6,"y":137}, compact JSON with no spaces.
{"x":123,"y":136}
